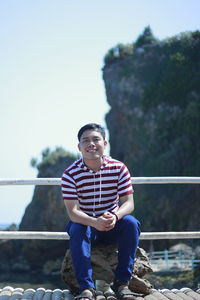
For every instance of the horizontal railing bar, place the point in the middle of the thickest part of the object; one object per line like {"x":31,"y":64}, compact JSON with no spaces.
{"x":150,"y":180}
{"x":38,"y":181}
{"x":170,"y":235}
{"x":37,"y":235}
{"x":45,"y":235}
{"x":135,"y":180}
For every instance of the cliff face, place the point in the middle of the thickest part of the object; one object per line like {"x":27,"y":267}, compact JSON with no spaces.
{"x":154,"y":125}
{"x":46,"y":212}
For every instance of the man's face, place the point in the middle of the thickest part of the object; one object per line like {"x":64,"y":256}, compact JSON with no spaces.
{"x":92,"y":144}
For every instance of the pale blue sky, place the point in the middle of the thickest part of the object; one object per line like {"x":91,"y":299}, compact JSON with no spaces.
{"x":51,"y":56}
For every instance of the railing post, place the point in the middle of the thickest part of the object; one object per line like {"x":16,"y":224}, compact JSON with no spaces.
{"x":166,"y":258}
{"x":193,"y":262}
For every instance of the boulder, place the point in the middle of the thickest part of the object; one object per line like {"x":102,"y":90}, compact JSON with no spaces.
{"x":104,"y":261}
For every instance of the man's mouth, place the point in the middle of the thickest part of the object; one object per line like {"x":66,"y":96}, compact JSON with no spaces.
{"x":91,"y":150}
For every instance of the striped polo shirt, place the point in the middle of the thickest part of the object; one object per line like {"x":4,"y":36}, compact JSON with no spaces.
{"x":97,"y":192}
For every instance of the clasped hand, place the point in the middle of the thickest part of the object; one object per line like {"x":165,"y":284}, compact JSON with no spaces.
{"x":105,"y":222}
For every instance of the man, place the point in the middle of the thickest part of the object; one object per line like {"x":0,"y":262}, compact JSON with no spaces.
{"x":97,"y":192}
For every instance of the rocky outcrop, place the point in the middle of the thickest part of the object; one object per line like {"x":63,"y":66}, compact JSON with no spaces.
{"x":46,"y":212}
{"x":154,"y":125}
{"x":104,"y":262}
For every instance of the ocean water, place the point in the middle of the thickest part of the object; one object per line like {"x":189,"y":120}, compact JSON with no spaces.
{"x":4,"y":226}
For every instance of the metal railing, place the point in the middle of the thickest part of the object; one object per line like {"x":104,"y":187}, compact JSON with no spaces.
{"x":135,"y":180}
{"x":64,"y":236}
{"x":173,"y":260}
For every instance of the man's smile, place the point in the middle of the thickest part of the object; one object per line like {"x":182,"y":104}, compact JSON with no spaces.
{"x":91,"y":150}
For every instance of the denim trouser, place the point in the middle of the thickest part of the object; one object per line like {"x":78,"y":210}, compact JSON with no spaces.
{"x":125,"y":234}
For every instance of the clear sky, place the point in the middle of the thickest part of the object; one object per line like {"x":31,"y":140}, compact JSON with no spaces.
{"x":51,"y":56}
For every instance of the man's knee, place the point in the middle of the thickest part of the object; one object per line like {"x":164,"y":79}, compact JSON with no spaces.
{"x":76,"y":230}
{"x":131,"y":222}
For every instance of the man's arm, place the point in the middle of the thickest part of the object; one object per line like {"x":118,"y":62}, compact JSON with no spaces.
{"x":76,"y":215}
{"x":127,"y":206}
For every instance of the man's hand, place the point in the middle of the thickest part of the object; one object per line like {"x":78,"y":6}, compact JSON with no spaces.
{"x":105,"y":222}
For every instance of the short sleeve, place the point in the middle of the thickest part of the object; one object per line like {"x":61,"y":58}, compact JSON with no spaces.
{"x":68,"y":187}
{"x":124,"y":183}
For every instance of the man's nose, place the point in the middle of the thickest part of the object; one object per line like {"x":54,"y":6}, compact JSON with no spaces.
{"x":91,"y":142}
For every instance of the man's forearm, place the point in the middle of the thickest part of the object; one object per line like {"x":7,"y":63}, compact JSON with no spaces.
{"x":102,"y":223}
{"x":78,"y":216}
{"x":126,"y":208}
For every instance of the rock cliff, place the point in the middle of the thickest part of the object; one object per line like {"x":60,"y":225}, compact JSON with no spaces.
{"x":46,"y":212}
{"x":153,"y":88}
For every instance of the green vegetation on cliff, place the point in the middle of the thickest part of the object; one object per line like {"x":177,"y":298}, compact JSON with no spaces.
{"x":51,"y":158}
{"x":120,"y":51}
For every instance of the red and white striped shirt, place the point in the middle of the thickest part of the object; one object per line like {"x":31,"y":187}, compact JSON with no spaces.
{"x":97,"y":192}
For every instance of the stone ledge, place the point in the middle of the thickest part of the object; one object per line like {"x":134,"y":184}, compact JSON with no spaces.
{"x":10,"y":293}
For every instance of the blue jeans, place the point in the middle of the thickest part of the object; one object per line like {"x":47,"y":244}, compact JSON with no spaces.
{"x":125,"y":234}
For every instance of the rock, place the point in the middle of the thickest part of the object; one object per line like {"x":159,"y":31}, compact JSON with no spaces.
{"x":104,"y":261}
{"x":46,"y":212}
{"x":147,"y":105}
{"x":140,"y":285}
{"x":184,"y":248}
{"x":142,"y":265}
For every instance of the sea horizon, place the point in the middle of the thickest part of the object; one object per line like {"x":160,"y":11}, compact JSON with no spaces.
{"x":6,"y":225}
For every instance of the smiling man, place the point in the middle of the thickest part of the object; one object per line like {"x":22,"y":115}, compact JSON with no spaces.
{"x":98,"y":195}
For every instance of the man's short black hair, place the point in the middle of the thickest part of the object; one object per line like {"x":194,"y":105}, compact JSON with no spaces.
{"x":92,"y":126}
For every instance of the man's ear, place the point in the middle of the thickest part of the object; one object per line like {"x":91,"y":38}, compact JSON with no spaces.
{"x":79,"y":148}
{"x":105,"y":143}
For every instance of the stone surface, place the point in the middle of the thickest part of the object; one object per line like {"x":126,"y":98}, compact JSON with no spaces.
{"x":11,"y":293}
{"x":46,"y":212}
{"x":104,"y":261}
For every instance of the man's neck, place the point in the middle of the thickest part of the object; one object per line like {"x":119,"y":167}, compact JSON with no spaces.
{"x":94,"y":164}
